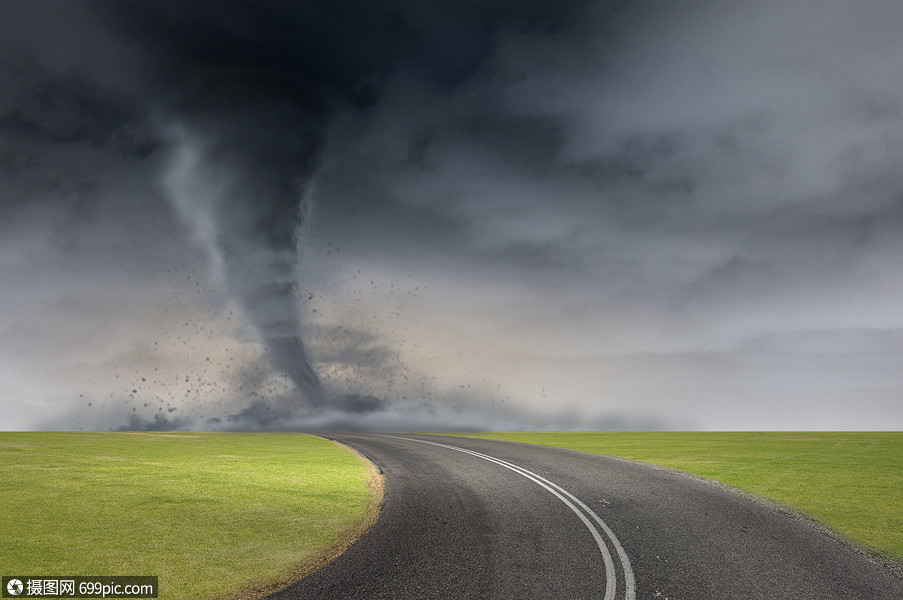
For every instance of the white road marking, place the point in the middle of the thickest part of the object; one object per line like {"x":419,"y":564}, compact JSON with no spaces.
{"x":566,"y":497}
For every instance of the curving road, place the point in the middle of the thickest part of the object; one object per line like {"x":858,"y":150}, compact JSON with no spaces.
{"x":468,"y":518}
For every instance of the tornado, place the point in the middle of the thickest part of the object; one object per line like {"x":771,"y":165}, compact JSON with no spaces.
{"x":244,"y":148}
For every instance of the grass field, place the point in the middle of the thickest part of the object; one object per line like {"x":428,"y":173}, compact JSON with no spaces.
{"x":213,"y":515}
{"x":851,"y":482}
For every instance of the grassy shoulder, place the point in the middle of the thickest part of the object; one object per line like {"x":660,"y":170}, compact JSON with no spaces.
{"x":213,"y":515}
{"x":851,"y":482}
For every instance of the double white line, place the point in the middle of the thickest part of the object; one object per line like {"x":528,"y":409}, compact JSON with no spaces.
{"x":580,"y":509}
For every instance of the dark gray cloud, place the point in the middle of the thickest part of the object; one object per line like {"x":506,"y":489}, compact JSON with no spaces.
{"x":476,"y":213}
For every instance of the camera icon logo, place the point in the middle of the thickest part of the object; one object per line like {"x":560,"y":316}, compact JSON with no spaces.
{"x":14,"y":587}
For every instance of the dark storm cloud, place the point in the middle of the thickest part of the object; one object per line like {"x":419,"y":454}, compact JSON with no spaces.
{"x":659,"y":180}
{"x":239,"y":97}
{"x":252,"y":132}
{"x":606,"y":212}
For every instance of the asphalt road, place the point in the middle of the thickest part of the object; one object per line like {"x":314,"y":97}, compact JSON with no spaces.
{"x":467,"y":518}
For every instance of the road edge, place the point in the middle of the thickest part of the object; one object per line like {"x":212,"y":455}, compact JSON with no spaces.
{"x":889,"y":563}
{"x":375,"y":482}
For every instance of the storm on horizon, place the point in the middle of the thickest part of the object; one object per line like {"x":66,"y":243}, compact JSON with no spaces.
{"x":483,"y":214}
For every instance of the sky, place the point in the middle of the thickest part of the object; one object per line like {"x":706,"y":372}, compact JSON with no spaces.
{"x":425,"y":215}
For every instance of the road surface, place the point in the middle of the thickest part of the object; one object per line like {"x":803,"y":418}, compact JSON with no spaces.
{"x":467,"y":518}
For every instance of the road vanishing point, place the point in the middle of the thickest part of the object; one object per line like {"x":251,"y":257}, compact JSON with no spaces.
{"x":469,"y":518}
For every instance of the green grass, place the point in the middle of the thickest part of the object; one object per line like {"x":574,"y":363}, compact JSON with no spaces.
{"x":210,"y":514}
{"x":851,"y":482}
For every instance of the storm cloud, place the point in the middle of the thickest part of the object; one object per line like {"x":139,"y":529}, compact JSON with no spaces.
{"x":451,"y":215}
